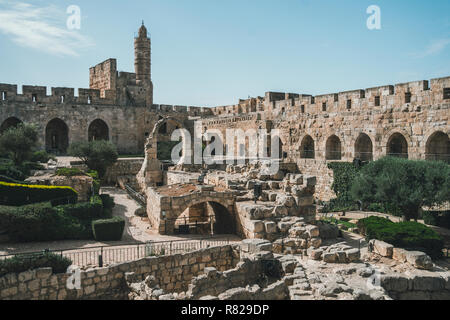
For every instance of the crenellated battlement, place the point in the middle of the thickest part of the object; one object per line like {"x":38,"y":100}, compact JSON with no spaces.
{"x":37,"y":95}
{"x":423,"y":93}
{"x":59,"y":95}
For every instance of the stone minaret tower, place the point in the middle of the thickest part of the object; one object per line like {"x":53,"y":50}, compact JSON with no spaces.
{"x":142,"y":62}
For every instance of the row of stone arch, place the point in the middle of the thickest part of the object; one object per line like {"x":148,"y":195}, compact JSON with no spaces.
{"x":437,"y":147}
{"x":57,"y":133}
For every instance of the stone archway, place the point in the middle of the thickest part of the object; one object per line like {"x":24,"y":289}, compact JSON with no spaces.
{"x":11,"y":122}
{"x":207,"y":218}
{"x":364,"y":148}
{"x":307,"y":150}
{"x":438,"y":147}
{"x":333,"y":148}
{"x":98,"y":130}
{"x":56,"y":136}
{"x":397,"y":146}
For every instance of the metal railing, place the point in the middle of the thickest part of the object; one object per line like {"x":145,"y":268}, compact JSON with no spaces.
{"x":107,"y":255}
{"x":136,"y":195}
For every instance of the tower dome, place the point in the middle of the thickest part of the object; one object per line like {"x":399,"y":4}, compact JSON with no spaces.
{"x":142,"y":31}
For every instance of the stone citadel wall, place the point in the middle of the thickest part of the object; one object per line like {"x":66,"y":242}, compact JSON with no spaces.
{"x":409,"y":120}
{"x":126,"y":126}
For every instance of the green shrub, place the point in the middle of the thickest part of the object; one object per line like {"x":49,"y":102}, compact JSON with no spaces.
{"x":407,"y":235}
{"x":69,"y":172}
{"x":109,"y":229}
{"x":8,"y":170}
{"x":13,"y":194}
{"x":85,"y":210}
{"x":21,"y":263}
{"x":42,"y":157}
{"x":39,"y":222}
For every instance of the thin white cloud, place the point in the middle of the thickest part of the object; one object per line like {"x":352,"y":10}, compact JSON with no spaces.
{"x":435,"y":47}
{"x":41,"y":28}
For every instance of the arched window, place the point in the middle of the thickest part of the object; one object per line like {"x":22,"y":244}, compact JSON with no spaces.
{"x":438,"y":147}
{"x":307,"y":148}
{"x":56,"y":136}
{"x":397,"y":146}
{"x":98,"y":130}
{"x":333,"y":148}
{"x":364,"y":148}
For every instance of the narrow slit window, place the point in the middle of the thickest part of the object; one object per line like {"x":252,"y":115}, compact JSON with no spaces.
{"x":3,"y":95}
{"x":89,"y":100}
{"x":408,"y":97}
{"x":324,"y":106}
{"x":349,"y":104}
{"x":34,"y":97}
{"x":377,"y":101}
{"x":446,"y":93}
{"x":302,"y":108}
{"x":62,"y":99}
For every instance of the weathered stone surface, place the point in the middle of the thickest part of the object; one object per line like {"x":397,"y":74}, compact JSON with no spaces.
{"x":419,"y":260}
{"x":382,"y":248}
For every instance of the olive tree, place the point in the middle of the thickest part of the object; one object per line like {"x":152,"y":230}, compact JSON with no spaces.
{"x":96,"y":155}
{"x":408,"y":184}
{"x":19,"y":143}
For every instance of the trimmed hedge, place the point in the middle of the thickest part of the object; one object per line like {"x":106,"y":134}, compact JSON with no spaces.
{"x":86,"y":210}
{"x":11,"y":180}
{"x":45,"y":222}
{"x":406,"y":235}
{"x":21,"y":263}
{"x":14,"y":194}
{"x":41,"y":222}
{"x":109,"y":229}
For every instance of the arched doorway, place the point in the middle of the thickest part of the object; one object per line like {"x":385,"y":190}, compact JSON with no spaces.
{"x":206,"y":218}
{"x":333,"y":148}
{"x":98,"y":130}
{"x":438,"y":147}
{"x":397,"y":146}
{"x":56,"y":137}
{"x":364,"y":148}
{"x":12,"y":122}
{"x":307,"y":148}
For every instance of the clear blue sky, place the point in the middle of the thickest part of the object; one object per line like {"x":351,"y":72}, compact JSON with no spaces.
{"x":211,"y":52}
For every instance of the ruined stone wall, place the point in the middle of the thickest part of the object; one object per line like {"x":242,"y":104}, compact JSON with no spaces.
{"x":173,"y":273}
{"x":126,"y":168}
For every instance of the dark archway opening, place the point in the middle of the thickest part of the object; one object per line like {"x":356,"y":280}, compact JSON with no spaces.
{"x":56,"y":137}
{"x":438,"y":147}
{"x":333,"y":148}
{"x":12,"y":122}
{"x":206,"y":218}
{"x":307,"y":148}
{"x":98,"y":130}
{"x":364,"y":148}
{"x":397,"y":146}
